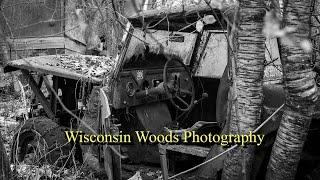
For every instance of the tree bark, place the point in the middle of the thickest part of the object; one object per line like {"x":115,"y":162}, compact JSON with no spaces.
{"x":315,"y":31}
{"x":4,"y":163}
{"x":301,"y":93}
{"x":4,"y":54}
{"x":247,"y":89}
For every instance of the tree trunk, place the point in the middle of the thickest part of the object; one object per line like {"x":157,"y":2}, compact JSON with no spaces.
{"x":247,"y":86}
{"x":4,"y":163}
{"x":301,"y":93}
{"x":4,"y":47}
{"x":315,"y":30}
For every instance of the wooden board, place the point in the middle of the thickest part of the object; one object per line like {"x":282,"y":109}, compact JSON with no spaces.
{"x":189,"y":149}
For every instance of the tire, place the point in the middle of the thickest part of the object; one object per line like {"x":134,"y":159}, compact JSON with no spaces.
{"x":46,"y":134}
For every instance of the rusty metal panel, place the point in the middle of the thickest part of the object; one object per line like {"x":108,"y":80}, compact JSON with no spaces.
{"x":213,"y":56}
{"x":52,"y":65}
{"x":178,"y":43}
{"x":154,"y":116}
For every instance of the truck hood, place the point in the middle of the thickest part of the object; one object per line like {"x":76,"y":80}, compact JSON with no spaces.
{"x":84,"y":67}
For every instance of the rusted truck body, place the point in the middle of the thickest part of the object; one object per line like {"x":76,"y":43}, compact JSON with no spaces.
{"x":160,"y":78}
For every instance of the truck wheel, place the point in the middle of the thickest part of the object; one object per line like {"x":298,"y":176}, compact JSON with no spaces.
{"x":40,"y":140}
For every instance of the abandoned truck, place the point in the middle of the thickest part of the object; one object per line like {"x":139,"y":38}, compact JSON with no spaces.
{"x":160,"y":80}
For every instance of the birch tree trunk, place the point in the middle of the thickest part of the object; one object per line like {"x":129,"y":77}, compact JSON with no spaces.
{"x":315,"y":30}
{"x":247,"y":86}
{"x":301,"y":94}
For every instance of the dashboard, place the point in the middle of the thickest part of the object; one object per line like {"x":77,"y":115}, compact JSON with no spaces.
{"x":131,"y":82}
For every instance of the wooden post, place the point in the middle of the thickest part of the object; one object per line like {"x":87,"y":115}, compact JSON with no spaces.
{"x":163,"y":161}
{"x":53,"y":99}
{"x":106,"y":125}
{"x":116,"y":160}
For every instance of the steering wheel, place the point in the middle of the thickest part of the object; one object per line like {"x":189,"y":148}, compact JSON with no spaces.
{"x":178,"y":89}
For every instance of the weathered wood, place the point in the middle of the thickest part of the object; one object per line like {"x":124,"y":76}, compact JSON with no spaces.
{"x":163,"y":161}
{"x":116,"y":160}
{"x":53,"y":99}
{"x":189,"y":149}
{"x":48,"y":65}
{"x":106,"y":126}
{"x":39,"y":94}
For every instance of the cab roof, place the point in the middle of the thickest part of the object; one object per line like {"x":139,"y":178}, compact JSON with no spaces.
{"x":178,"y":16}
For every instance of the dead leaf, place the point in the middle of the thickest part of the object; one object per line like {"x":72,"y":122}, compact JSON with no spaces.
{"x":199,"y":26}
{"x":209,"y":19}
{"x":137,"y":176}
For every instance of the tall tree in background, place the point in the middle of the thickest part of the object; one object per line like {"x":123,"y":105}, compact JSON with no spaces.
{"x":4,"y":162}
{"x":315,"y":29}
{"x":301,"y":93}
{"x":4,"y":56}
{"x":247,"y":85}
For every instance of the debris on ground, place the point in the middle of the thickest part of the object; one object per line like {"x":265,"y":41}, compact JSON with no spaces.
{"x":94,"y":66}
{"x":136,"y":176}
